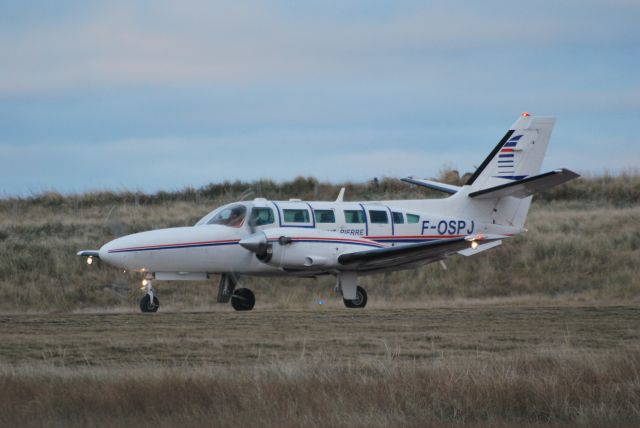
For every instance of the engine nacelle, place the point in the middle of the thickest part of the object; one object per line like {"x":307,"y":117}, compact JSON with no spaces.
{"x":303,"y":248}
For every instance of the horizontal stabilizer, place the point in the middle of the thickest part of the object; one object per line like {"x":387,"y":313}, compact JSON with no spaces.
{"x":434,"y":185}
{"x":482,"y":247}
{"x":528,"y":186}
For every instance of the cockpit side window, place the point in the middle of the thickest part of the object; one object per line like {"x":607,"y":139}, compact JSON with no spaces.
{"x":232,"y":216}
{"x":262,"y":216}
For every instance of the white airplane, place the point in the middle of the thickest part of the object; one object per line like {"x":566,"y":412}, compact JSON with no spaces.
{"x":346,"y":239}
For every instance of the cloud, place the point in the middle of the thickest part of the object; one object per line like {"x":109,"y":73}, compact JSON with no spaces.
{"x":231,"y":43}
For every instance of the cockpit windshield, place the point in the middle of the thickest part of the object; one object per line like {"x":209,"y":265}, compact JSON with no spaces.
{"x":230,"y":215}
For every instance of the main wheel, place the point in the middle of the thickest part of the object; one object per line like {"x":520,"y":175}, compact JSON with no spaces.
{"x":147,"y":306}
{"x":360,"y":301}
{"x":243,"y":299}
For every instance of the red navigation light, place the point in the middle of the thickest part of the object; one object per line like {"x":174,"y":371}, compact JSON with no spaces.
{"x":525,"y":114}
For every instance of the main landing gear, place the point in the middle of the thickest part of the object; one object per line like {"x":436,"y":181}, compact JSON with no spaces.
{"x":360,"y":301}
{"x":242,"y":299}
{"x":149,"y":303}
{"x":353,"y":295}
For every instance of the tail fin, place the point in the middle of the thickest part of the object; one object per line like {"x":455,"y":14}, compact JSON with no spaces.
{"x":517,"y":156}
{"x":498,"y":191}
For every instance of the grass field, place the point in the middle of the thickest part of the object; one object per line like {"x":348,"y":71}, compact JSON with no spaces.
{"x":472,"y":365}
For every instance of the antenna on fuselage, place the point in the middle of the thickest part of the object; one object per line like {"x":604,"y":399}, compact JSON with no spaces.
{"x":340,"y":195}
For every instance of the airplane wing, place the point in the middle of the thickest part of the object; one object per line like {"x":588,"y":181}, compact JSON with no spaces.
{"x":391,"y":257}
{"x":433,"y":185}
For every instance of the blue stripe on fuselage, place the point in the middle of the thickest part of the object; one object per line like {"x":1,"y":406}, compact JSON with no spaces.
{"x":172,"y":247}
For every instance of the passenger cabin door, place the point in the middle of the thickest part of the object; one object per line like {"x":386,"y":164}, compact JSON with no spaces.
{"x":379,"y":221}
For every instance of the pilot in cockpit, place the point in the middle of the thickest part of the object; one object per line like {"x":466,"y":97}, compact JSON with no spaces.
{"x":236,"y":217}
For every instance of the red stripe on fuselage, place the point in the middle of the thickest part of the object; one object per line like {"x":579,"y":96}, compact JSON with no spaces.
{"x":226,"y":241}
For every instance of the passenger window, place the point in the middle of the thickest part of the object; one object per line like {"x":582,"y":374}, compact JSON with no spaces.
{"x":325,"y":216}
{"x":232,"y":216}
{"x":296,"y":216}
{"x":398,"y":218}
{"x":354,"y":216}
{"x":412,"y":218}
{"x":262,"y":216}
{"x":378,"y":217}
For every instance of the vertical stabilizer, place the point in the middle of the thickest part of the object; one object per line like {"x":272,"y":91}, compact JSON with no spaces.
{"x":517,"y":156}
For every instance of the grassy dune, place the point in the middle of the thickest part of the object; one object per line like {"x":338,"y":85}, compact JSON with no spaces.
{"x":583,"y":243}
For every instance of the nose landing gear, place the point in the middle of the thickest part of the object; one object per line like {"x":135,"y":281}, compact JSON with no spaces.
{"x":149,"y":303}
{"x":353,"y":295}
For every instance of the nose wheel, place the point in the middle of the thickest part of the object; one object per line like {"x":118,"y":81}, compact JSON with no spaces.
{"x":149,"y":303}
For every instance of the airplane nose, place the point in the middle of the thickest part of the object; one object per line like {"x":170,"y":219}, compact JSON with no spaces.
{"x":106,"y":256}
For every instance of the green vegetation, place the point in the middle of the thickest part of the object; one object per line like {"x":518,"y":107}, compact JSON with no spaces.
{"x":583,"y":243}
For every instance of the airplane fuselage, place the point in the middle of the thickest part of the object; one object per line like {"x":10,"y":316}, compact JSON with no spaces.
{"x":211,"y":246}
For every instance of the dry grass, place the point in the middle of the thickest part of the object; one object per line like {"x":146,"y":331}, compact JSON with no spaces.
{"x":472,"y":366}
{"x":531,"y":390}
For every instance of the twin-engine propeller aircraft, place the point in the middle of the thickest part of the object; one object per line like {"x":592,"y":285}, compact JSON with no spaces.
{"x":346,"y":239}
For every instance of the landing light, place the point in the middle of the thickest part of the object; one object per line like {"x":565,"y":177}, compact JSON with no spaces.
{"x":145,"y":282}
{"x":89,"y":260}
{"x":474,"y":245}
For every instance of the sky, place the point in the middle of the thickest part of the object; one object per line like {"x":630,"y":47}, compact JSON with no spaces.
{"x":160,"y":95}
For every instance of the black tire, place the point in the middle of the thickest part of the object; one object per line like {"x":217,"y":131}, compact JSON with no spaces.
{"x":147,"y":306}
{"x":360,"y":301}
{"x":243,"y":299}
